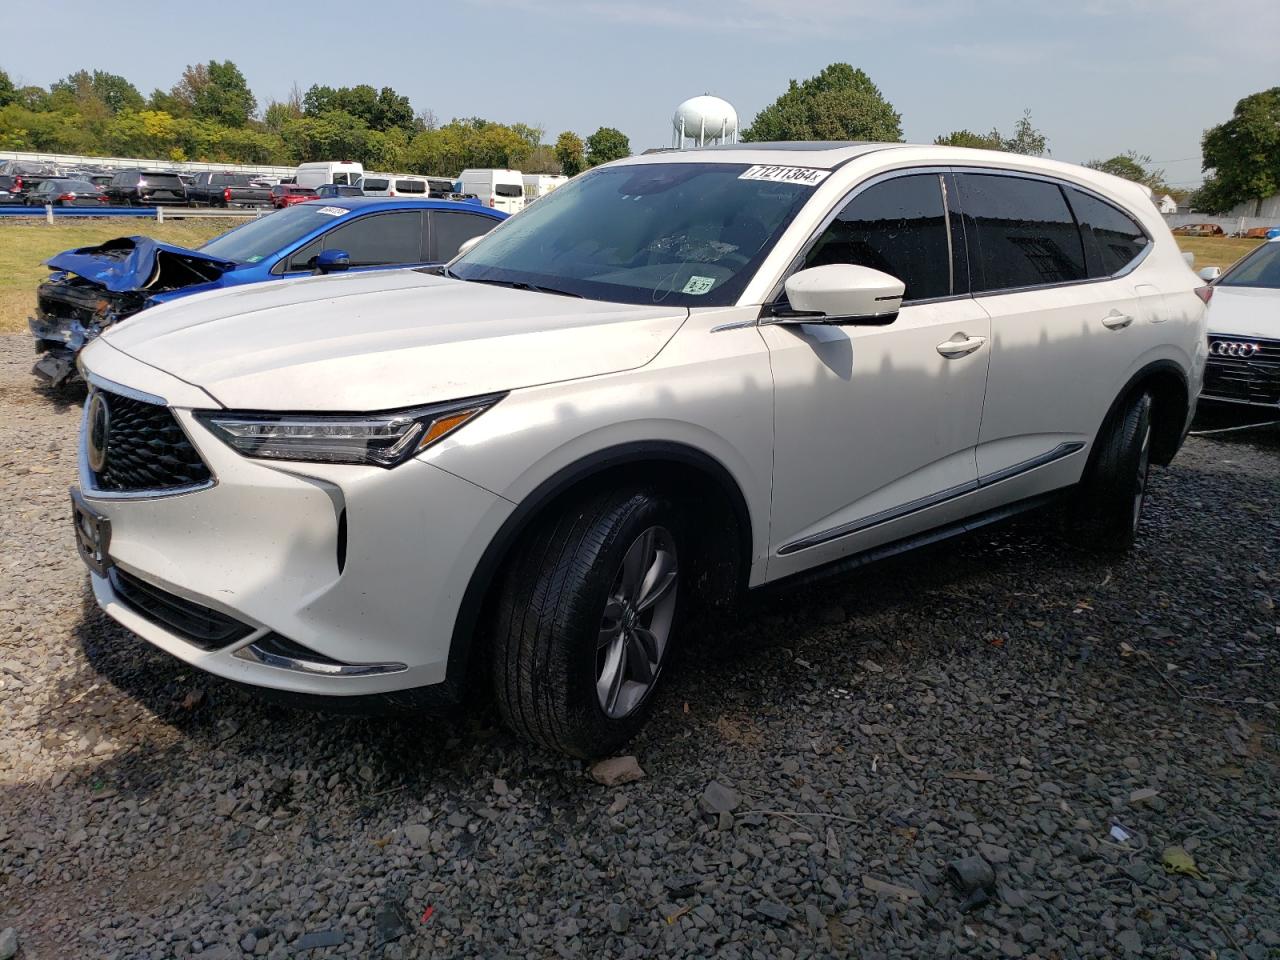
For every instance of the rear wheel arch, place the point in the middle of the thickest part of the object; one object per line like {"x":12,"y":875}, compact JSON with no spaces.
{"x":720,"y":564}
{"x":1166,"y":381}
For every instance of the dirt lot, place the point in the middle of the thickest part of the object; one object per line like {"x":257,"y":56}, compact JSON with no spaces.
{"x":999,"y":696}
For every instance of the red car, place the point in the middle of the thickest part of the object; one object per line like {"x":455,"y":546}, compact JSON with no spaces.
{"x":287,"y":194}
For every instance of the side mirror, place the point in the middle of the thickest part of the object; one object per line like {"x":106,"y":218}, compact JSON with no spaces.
{"x":841,"y":293}
{"x":468,"y":245}
{"x":332,"y":261}
{"x":1210,"y":274}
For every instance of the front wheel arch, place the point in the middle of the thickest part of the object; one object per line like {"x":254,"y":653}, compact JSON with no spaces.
{"x":722,"y":573}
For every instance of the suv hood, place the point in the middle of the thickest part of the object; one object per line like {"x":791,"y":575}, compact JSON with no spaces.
{"x":1245,"y":312}
{"x":139,"y":263}
{"x":385,"y":339}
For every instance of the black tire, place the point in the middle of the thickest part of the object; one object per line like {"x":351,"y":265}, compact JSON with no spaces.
{"x":1108,"y":504}
{"x":547,"y":654}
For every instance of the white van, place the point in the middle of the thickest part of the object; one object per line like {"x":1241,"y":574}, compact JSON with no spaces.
{"x":500,"y":189}
{"x":319,"y":173}
{"x":405,"y":185}
{"x":539,"y":185}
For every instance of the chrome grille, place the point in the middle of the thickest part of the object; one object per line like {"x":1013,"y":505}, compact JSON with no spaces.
{"x":1243,"y":379}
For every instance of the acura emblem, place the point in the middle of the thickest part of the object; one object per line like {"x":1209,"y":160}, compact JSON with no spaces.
{"x":98,"y":420}
{"x":1231,"y":348}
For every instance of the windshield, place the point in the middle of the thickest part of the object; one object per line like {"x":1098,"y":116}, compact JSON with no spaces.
{"x":691,"y":234}
{"x":259,"y":239}
{"x":1261,"y":268}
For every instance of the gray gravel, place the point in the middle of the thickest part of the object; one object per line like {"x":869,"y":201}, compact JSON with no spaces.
{"x":809,"y":774}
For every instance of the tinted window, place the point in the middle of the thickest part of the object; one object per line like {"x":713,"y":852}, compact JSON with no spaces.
{"x":1112,"y":239}
{"x":411,"y":186}
{"x":1261,"y":268}
{"x":167,"y":181}
{"x":509,"y":189}
{"x":451,"y":230}
{"x":385,"y":238}
{"x":899,"y":227}
{"x":1022,"y":233}
{"x":259,"y":239}
{"x":375,"y":184}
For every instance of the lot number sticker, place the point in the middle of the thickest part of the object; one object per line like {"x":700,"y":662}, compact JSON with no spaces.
{"x":333,"y":211}
{"x":806,"y":176}
{"x":699,"y":285}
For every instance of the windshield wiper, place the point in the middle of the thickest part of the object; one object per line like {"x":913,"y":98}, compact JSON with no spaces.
{"x":521,"y":285}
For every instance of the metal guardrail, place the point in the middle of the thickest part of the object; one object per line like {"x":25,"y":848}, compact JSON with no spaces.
{"x":159,"y":214}
{"x":141,"y":163}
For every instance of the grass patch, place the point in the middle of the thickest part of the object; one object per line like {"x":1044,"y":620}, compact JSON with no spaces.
{"x":24,"y":247}
{"x":1216,"y":251}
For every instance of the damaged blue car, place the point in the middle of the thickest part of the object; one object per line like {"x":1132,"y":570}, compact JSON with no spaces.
{"x":93,"y":288}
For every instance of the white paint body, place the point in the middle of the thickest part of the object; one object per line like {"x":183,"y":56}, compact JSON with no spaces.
{"x":320,"y":172}
{"x":540,"y":184}
{"x":500,"y":189}
{"x":820,"y":427}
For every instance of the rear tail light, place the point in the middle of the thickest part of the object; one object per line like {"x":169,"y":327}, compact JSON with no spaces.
{"x":493,"y":202}
{"x":226,"y":195}
{"x":1205,"y":293}
{"x":66,"y":196}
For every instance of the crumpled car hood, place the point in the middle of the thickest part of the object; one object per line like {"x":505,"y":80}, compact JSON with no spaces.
{"x":136,"y":263}
{"x":385,"y":339}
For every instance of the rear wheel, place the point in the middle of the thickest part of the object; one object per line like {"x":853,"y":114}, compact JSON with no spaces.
{"x":1109,"y":502}
{"x":585,"y":621}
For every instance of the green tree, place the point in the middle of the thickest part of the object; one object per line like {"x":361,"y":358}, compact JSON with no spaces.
{"x":166,"y":101}
{"x":1134,"y":166}
{"x":840,"y":103}
{"x":607,"y":144}
{"x":1026,"y":138}
{"x":976,"y":141}
{"x":113,"y":90}
{"x":395,"y":112}
{"x":529,"y":134}
{"x":1242,"y":155}
{"x":8,"y":92}
{"x":570,"y":153}
{"x":218,"y":92}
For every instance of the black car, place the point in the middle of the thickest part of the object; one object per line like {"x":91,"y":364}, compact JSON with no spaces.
{"x":338,"y":190}
{"x":146,"y":188}
{"x":65,"y":192}
{"x":10,"y":189}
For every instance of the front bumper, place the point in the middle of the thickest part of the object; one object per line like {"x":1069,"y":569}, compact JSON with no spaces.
{"x":360,"y":566}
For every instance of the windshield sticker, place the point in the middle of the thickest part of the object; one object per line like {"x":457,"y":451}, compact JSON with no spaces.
{"x":805,"y":176}
{"x":255,"y":258}
{"x":699,"y":285}
{"x":333,"y":211}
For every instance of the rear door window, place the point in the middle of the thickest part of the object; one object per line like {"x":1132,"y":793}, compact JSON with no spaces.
{"x":376,"y":184}
{"x":381,"y":239}
{"x":1112,"y":239}
{"x":411,"y":186}
{"x":898,"y":227}
{"x":450,"y":230}
{"x":509,"y":189}
{"x":1021,"y":233}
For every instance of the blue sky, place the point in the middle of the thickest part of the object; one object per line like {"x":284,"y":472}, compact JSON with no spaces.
{"x":1100,"y":76}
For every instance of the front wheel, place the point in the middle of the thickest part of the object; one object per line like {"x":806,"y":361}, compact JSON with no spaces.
{"x":585,"y":621}
{"x":1109,"y":501}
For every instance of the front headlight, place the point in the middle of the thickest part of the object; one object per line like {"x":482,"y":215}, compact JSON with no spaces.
{"x":381,"y":439}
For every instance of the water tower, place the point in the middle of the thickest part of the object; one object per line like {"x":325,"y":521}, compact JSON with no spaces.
{"x":704,"y":120}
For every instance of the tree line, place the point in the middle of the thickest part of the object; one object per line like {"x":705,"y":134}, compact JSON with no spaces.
{"x":211,"y":114}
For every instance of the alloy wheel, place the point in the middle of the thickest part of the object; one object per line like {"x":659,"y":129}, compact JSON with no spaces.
{"x":636,"y":624}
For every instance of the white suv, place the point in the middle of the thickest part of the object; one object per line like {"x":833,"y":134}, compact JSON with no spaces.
{"x":678,"y":376}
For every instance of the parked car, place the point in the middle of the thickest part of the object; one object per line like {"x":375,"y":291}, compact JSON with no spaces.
{"x":11,"y":190}
{"x":287,"y":194}
{"x":66,"y":193}
{"x":146,"y":188}
{"x":1244,"y":331}
{"x":338,"y":190}
{"x":24,"y":177}
{"x":100,"y":180}
{"x":1199,"y":230}
{"x":677,"y":376}
{"x":96,"y":287}
{"x":499,"y":189}
{"x":227,"y":190}
{"x":320,"y":172}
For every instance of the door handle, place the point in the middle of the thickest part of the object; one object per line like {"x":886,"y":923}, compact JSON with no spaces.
{"x":960,"y":346}
{"x":1116,"y":321}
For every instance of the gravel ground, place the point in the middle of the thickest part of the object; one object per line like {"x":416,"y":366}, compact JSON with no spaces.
{"x":998,"y":696}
